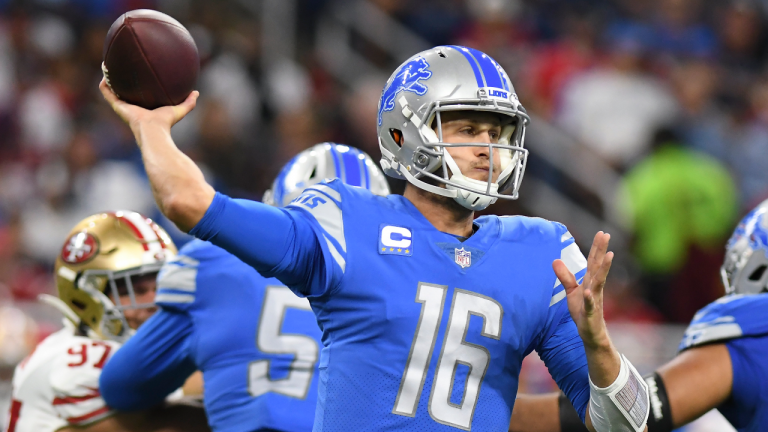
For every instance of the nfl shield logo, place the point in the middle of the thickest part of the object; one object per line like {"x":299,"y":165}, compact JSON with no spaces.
{"x":463,"y":258}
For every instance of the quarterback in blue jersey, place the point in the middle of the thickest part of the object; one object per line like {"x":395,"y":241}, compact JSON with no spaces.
{"x":256,"y":343}
{"x":426,"y":312}
{"x":723,"y":359}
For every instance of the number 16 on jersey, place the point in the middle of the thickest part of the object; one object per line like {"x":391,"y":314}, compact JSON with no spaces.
{"x":456,"y":350}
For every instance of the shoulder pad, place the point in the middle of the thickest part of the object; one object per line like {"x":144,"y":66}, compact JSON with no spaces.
{"x":533,"y":228}
{"x":729,"y":317}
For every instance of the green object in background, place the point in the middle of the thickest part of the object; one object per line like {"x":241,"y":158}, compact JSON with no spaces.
{"x":675,"y":198}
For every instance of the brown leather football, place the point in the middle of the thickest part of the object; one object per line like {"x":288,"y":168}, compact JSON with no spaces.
{"x":150,"y":59}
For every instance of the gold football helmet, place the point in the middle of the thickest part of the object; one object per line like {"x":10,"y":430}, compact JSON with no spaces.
{"x":95,"y":266}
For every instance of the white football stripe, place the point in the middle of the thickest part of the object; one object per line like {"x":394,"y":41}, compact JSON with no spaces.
{"x":556,"y":298}
{"x":573,"y":258}
{"x":328,"y":215}
{"x":178,"y":277}
{"x":326,"y":190}
{"x":174,"y":298}
{"x":336,"y":255}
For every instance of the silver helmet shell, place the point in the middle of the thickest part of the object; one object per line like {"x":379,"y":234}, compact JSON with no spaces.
{"x":325,"y":161}
{"x":450,"y":78}
{"x":745,"y":269}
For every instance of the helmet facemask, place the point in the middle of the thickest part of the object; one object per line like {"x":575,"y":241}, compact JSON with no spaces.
{"x":471,"y":193}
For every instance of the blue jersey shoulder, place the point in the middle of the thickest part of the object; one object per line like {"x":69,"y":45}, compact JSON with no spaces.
{"x":178,"y":280}
{"x":729,"y":317}
{"x":530,"y":229}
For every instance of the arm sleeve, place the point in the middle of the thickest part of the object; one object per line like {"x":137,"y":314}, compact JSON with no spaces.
{"x":151,"y":365}
{"x":75,"y":383}
{"x":289,"y":244}
{"x":560,"y":346}
{"x":563,"y":353}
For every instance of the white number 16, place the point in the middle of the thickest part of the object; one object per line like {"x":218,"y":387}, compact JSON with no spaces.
{"x":456,"y":350}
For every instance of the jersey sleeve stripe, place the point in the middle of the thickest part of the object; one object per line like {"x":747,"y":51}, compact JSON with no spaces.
{"x":90,"y":416}
{"x":163,"y":297}
{"x":178,"y":277}
{"x":573,"y":258}
{"x":336,"y":255}
{"x":556,"y":298}
{"x":326,"y":212}
{"x":327,"y":190}
{"x":74,"y":399}
{"x":722,"y":328}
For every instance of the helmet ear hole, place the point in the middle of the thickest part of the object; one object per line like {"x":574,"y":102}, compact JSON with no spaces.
{"x":80,"y":305}
{"x":757,"y":274}
{"x":397,"y":135}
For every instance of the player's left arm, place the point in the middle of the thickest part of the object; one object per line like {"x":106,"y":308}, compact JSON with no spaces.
{"x":693,"y":383}
{"x":618,"y":396}
{"x":151,"y":365}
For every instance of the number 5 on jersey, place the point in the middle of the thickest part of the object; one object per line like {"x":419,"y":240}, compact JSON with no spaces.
{"x":271,"y":340}
{"x":456,"y":350}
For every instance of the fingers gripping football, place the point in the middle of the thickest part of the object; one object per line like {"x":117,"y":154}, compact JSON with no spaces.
{"x":133,"y":114}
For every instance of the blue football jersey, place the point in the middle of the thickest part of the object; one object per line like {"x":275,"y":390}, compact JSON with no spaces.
{"x":256,"y":343}
{"x":741,"y":323}
{"x":421,"y":331}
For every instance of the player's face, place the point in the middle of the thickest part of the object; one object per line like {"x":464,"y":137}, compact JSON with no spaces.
{"x":144,"y":287}
{"x":473,"y":127}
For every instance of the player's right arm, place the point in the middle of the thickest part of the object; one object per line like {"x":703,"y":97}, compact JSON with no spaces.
{"x":178,"y":185}
{"x":292,"y":247}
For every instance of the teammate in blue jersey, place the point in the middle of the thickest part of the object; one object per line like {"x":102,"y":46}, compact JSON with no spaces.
{"x":426,"y":312}
{"x":723,"y":359}
{"x":256,"y":343}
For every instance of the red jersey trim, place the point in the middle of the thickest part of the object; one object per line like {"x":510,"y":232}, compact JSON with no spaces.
{"x":76,"y":399}
{"x":89,"y":416}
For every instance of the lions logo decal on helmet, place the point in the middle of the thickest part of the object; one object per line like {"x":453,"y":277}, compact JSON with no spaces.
{"x":79,"y":248}
{"x":407,"y":79}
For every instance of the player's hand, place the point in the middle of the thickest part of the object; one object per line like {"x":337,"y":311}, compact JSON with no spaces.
{"x":585,"y":301}
{"x":166,"y":116}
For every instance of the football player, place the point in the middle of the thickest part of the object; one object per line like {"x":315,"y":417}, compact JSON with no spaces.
{"x":723,"y":359}
{"x":105,"y":276}
{"x":426,"y":313}
{"x":256,"y":343}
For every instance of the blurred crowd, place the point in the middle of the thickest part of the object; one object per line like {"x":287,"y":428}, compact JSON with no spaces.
{"x":672,"y":95}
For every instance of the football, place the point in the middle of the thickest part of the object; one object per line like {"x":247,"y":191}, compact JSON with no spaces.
{"x":150,"y":59}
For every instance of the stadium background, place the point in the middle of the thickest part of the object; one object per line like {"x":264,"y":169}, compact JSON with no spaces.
{"x":650,"y":121}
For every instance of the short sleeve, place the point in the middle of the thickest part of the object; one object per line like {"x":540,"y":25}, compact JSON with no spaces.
{"x":74,"y":379}
{"x":152,"y":364}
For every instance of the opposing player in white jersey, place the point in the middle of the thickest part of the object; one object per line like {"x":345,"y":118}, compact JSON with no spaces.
{"x":105,"y":276}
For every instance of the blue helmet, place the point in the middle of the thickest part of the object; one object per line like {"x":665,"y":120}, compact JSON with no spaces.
{"x":325,"y":161}
{"x":746,"y":255}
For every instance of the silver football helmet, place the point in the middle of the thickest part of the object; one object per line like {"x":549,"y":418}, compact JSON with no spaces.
{"x":325,"y":161}
{"x":450,"y":78}
{"x":746,"y":256}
